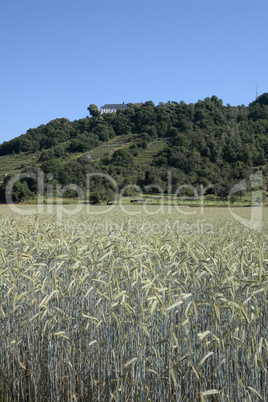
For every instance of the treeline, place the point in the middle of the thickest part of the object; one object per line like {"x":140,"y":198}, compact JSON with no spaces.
{"x":165,"y":120}
{"x":206,"y":142}
{"x":60,"y":136}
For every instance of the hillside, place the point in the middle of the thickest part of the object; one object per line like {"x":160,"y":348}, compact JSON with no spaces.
{"x":199,"y":144}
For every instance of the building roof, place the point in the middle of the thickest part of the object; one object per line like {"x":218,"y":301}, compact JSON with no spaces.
{"x":115,"y":105}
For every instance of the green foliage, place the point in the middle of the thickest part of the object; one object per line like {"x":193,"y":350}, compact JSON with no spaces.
{"x":205,"y":142}
{"x":95,"y":198}
{"x":23,"y":189}
{"x":93,"y":110}
{"x":122,"y":157}
{"x":108,"y":196}
{"x":262,"y":100}
{"x":134,"y":149}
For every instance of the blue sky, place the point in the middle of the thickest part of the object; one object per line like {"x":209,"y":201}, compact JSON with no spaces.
{"x":57,"y":57}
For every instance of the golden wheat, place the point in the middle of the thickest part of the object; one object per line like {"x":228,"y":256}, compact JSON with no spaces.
{"x":119,"y":307}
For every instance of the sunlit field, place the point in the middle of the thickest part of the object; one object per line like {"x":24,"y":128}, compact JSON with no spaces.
{"x":133,"y":305}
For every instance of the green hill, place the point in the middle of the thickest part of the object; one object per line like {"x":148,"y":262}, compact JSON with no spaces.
{"x":202,"y":143}
{"x":107,"y":148}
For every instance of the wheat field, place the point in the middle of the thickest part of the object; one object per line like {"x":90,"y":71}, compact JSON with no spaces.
{"x":133,"y":307}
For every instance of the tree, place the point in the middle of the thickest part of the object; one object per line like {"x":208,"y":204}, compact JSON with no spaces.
{"x":181,"y":141}
{"x":262,"y":100}
{"x":123,"y":158}
{"x":93,"y":110}
{"x":94,"y":197}
{"x":109,"y":196}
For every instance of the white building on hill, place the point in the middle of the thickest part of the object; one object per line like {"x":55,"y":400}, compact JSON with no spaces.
{"x":111,"y":108}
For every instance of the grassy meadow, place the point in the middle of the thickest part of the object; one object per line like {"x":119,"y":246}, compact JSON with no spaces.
{"x":168,"y":305}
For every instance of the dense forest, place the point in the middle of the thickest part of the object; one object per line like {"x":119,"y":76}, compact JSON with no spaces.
{"x":205,"y":143}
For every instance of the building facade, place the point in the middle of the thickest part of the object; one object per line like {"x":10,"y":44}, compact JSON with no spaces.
{"x":112,"y":107}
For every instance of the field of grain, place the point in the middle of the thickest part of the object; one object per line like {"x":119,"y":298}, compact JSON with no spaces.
{"x":133,"y":306}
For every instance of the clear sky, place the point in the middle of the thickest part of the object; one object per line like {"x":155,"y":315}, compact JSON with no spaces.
{"x":57,"y":57}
